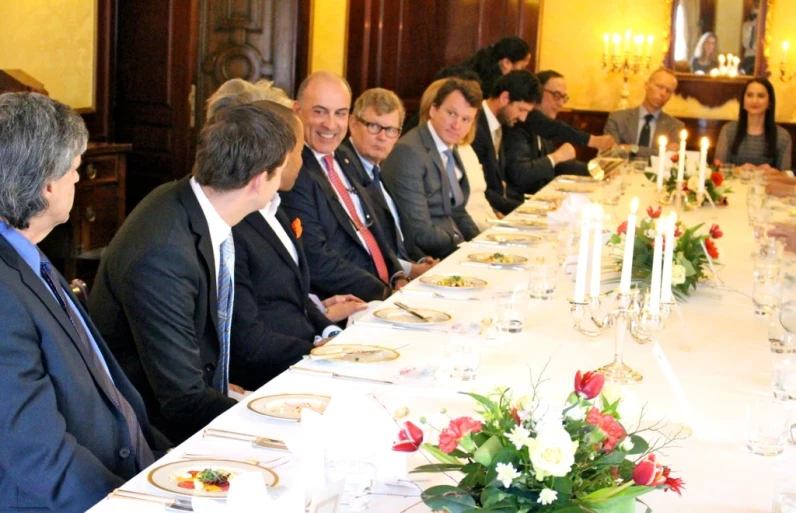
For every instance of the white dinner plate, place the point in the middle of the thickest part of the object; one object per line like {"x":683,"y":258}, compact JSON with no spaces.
{"x":354,"y":353}
{"x":513,"y":238}
{"x":288,"y":406}
{"x":166,"y":477}
{"x":453,"y":282}
{"x":497,"y":258}
{"x":402,"y":317}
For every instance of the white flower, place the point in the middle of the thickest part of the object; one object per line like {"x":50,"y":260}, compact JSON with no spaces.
{"x":547,"y":496}
{"x":693,"y":183}
{"x":627,"y":444}
{"x":544,"y":413}
{"x":552,"y":452}
{"x":519,"y":436}
{"x":678,"y":274}
{"x":576,"y":413}
{"x":506,"y":473}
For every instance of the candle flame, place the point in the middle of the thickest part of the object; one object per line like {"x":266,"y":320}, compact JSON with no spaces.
{"x":634,"y":205}
{"x":785,"y":45}
{"x":705,"y":143}
{"x":683,"y":134}
{"x":650,"y":39}
{"x":662,"y":140}
{"x":617,"y":38}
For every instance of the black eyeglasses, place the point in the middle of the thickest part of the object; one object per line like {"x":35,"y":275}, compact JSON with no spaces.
{"x":374,"y":128}
{"x":558,"y":96}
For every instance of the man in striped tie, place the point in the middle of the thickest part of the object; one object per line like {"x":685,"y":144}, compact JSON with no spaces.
{"x":164,"y":293}
{"x":345,"y":245}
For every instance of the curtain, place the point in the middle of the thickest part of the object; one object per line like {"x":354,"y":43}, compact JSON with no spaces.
{"x":691,"y":14}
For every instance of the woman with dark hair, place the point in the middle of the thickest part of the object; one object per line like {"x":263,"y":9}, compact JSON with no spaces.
{"x":492,"y":62}
{"x":706,"y":54}
{"x":755,"y":140}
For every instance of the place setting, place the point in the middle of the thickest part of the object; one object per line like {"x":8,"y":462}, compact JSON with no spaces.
{"x":507,"y":239}
{"x":402,"y":316}
{"x":497,"y":260}
{"x":539,"y":223}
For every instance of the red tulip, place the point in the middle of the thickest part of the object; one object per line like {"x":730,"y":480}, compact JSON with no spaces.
{"x":675,"y":158}
{"x":716,"y":232}
{"x":654,"y":214}
{"x":622,"y":228}
{"x":649,"y":472}
{"x":717,"y":178}
{"x":712,"y":249}
{"x":410,"y":438}
{"x":589,"y":385}
{"x":677,"y":230}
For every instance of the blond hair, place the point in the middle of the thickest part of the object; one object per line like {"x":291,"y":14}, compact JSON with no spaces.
{"x":383,"y":101}
{"x":427,"y":100}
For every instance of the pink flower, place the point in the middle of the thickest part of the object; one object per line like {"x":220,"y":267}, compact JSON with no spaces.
{"x":456,"y":430}
{"x":614,"y":432}
{"x":649,"y":472}
{"x":654,"y":214}
{"x":410,"y":438}
{"x":589,"y":385}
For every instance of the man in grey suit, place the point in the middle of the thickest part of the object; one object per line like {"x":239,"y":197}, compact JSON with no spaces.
{"x":638,"y":129}
{"x":427,"y":176}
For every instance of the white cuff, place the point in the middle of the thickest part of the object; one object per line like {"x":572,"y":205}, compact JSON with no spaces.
{"x":330,"y":330}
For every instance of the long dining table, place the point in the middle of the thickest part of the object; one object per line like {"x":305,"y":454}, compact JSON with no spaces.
{"x":714,"y":344}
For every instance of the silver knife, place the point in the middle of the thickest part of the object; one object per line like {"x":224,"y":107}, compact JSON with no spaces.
{"x":297,"y":368}
{"x":420,"y":327}
{"x":495,"y":266}
{"x":411,"y":310}
{"x":256,"y":441}
{"x":169,"y":503}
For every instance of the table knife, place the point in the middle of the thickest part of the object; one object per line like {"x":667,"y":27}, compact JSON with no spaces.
{"x":256,"y":441}
{"x":420,"y":327}
{"x":411,"y":310}
{"x":169,"y":503}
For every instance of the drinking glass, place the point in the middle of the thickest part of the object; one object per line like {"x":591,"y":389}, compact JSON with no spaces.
{"x":463,"y":356}
{"x":744,"y":173}
{"x":767,"y":426}
{"x":358,"y":476}
{"x":542,"y":277}
{"x":639,"y":165}
{"x":512,"y":308}
{"x":784,"y":495}
{"x":767,"y":285}
{"x":566,"y":240}
{"x":727,"y":170}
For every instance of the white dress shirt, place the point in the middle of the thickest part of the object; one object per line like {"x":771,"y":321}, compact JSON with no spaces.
{"x":494,"y":126}
{"x":219,"y":229}
{"x":269,"y":214}
{"x":442,"y":148}
{"x":360,"y":213}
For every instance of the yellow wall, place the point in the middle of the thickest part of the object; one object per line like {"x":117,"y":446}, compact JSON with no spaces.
{"x":53,"y":41}
{"x":327,"y":40}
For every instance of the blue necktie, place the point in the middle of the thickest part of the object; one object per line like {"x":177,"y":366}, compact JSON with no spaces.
{"x":226,"y":296}
{"x":456,"y":188}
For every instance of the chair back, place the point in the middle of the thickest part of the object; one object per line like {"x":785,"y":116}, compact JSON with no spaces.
{"x":80,"y":290}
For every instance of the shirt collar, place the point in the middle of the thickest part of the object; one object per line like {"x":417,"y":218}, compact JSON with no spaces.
{"x":269,"y":211}
{"x":367,"y":164}
{"x":441,"y":146}
{"x":219,"y":229}
{"x":25,"y":248}
{"x":491,"y":120}
{"x":319,"y":157}
{"x":642,"y":111}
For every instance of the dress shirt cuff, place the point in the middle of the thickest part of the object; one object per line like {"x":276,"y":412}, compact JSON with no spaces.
{"x":406,"y":266}
{"x":552,"y":161}
{"x":330,"y":330}
{"x":315,"y":299}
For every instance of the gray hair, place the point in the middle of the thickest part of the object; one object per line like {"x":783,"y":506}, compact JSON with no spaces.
{"x":39,"y":140}
{"x":234,"y":92}
{"x":274,"y":94}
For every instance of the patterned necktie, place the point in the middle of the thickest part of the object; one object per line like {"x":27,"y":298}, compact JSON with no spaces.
{"x":644,"y":136}
{"x":226,"y":297}
{"x":367,"y":236}
{"x":456,"y":188}
{"x":143,"y":455}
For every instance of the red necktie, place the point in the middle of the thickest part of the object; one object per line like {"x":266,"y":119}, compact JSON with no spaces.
{"x":367,"y":236}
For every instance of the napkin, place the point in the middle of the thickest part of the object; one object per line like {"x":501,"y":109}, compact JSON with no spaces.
{"x":569,"y":211}
{"x":247,"y":493}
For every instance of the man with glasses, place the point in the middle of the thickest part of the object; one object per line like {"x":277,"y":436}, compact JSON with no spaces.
{"x":532,"y":160}
{"x":639,"y":128}
{"x":427,"y":176}
{"x":346,"y":248}
{"x":375,"y":127}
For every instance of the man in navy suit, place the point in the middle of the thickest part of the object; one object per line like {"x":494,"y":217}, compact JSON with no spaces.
{"x":344,"y":244}
{"x":164,"y":293}
{"x":72,"y":427}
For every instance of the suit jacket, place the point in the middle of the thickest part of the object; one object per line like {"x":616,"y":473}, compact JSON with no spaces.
{"x":553,"y":129}
{"x":381,"y":209}
{"x":493,"y":166}
{"x":414,"y":172}
{"x":155,"y":302}
{"x":339,"y":261}
{"x":623,"y":125}
{"x":64,"y":444}
{"x":274,"y":321}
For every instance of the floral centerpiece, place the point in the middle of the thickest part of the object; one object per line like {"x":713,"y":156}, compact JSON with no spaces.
{"x":714,"y":184}
{"x":527,"y":456}
{"x":690,"y":263}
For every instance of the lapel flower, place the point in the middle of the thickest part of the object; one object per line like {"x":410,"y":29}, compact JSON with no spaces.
{"x":297,"y":229}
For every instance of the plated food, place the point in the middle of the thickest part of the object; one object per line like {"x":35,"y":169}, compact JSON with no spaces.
{"x":204,"y":477}
{"x":513,"y":238}
{"x":497,"y":258}
{"x":353,"y":353}
{"x":288,"y":406}
{"x":401,"y":317}
{"x":453,"y":281}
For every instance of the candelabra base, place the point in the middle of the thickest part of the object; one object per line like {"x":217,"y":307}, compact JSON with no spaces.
{"x":619,"y":373}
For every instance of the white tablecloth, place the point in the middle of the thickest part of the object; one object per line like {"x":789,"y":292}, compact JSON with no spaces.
{"x":717,"y":347}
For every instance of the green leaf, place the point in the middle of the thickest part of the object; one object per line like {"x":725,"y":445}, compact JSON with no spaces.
{"x":563,"y":486}
{"x":437,"y":467}
{"x":441,"y":456}
{"x":640,"y":446}
{"x":486,"y":453}
{"x":489,"y":404}
{"x":448,"y":498}
{"x":615,"y":458}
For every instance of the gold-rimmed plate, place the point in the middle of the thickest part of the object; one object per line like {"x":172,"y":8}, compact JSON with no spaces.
{"x":526,"y":224}
{"x":575,"y":179}
{"x":497,"y":258}
{"x":578,"y":188}
{"x":354,"y":353}
{"x":513,"y":238}
{"x":533,"y":210}
{"x":288,"y":406}
{"x":453,"y":282}
{"x":404,"y":318}
{"x":180,"y":477}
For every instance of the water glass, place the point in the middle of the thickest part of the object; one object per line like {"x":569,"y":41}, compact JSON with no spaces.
{"x":512,"y":308}
{"x":745,"y":174}
{"x":767,"y":426}
{"x":727,"y":170}
{"x":358,"y":477}
{"x":767,"y":287}
{"x":639,"y":165}
{"x":542,"y":277}
{"x":463,"y":356}
{"x":784,"y":495}
{"x":783,"y":379}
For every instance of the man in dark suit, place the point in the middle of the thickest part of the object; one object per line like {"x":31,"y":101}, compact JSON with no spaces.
{"x":427,"y":177}
{"x":532,"y":160}
{"x":637,"y":129}
{"x":72,"y":427}
{"x":514,"y":96}
{"x":346,"y":248}
{"x":164,"y":291}
{"x":375,"y":127}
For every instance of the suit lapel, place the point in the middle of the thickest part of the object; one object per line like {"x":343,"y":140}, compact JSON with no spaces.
{"x":204,"y":244}
{"x":433,"y":152}
{"x":633,"y":136}
{"x":465,"y":182}
{"x":258,"y":222}
{"x":495,"y":156}
{"x":303,"y":270}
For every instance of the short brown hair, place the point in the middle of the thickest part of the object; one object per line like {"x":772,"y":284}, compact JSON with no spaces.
{"x":430,"y":94}
{"x":469,"y":89}
{"x":383,"y":102}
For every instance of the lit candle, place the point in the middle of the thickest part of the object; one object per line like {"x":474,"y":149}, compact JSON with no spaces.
{"x":650,"y":40}
{"x":638,"y":40}
{"x":655,"y":284}
{"x":703,"y":163}
{"x":617,"y":45}
{"x":597,"y":252}
{"x":630,"y":238}
{"x":628,"y":37}
{"x":606,"y":44}
{"x":668,"y":254}
{"x":681,"y":159}
{"x":662,"y":141}
{"x":583,"y":255}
